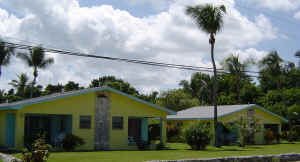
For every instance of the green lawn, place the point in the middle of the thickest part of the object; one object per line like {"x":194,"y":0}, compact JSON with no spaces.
{"x":178,"y":151}
{"x":1,"y":159}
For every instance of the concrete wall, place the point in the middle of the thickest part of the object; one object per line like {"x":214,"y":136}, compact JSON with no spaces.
{"x":266,"y":158}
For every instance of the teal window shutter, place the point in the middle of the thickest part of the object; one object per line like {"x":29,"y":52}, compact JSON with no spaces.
{"x":10,"y":130}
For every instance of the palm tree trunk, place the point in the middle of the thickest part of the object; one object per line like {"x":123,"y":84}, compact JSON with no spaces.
{"x":35,"y":74}
{"x":212,"y":43}
{"x":238,"y":90}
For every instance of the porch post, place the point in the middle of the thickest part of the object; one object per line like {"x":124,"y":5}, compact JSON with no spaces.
{"x":144,"y":129}
{"x":161,"y":129}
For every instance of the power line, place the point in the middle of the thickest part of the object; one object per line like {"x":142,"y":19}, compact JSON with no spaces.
{"x":159,"y":64}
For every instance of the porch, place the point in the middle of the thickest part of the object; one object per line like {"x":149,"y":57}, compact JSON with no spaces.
{"x":53,"y":127}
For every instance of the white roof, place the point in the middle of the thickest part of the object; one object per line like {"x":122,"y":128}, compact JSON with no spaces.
{"x":207,"y":112}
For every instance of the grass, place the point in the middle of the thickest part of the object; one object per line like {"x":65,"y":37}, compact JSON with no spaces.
{"x":177,"y":151}
{"x":1,"y":159}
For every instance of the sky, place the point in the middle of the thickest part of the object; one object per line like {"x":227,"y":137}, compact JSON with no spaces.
{"x":153,"y":30}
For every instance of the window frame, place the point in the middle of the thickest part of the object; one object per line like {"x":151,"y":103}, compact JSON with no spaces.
{"x":121,"y":122}
{"x":88,"y":118}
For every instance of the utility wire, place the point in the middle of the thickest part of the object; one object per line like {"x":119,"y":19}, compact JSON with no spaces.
{"x":160,"y":64}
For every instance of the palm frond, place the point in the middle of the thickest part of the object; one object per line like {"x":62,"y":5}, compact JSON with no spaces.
{"x":5,"y":53}
{"x":47,"y":62}
{"x":207,"y":17}
{"x":25,"y":57}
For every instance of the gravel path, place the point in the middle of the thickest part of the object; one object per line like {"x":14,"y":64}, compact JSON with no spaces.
{"x":8,"y":158}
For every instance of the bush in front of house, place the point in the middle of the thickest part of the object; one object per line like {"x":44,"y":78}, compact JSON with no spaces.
{"x":269,"y":136}
{"x":197,"y":135}
{"x":70,"y":142}
{"x":174,"y":133}
{"x":39,"y":151}
{"x":142,"y":145}
{"x":294,"y":133}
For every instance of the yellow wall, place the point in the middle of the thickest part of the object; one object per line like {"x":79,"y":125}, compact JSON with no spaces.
{"x":126,"y":107}
{"x":75,"y":106}
{"x":85,"y":105}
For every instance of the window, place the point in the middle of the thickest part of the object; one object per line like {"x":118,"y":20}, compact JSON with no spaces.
{"x":85,"y":122}
{"x":117,"y":122}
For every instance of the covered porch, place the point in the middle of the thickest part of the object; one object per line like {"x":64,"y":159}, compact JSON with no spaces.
{"x":53,"y":127}
{"x":144,"y":129}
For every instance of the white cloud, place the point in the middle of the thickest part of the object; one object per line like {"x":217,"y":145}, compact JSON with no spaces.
{"x":282,"y":5}
{"x":169,"y":36}
{"x":297,"y":15}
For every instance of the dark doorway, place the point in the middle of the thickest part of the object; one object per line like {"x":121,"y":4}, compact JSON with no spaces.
{"x":134,"y":130}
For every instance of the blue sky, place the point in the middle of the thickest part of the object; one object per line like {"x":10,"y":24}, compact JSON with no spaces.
{"x":144,"y":29}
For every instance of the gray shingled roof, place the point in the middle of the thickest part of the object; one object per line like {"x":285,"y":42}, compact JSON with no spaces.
{"x":207,"y":112}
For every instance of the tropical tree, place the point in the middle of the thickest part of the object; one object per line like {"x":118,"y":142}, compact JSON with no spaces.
{"x":209,"y":19}
{"x":5,"y":54}
{"x":20,"y":84}
{"x":237,"y":69}
{"x":272,"y":66}
{"x":37,"y":60}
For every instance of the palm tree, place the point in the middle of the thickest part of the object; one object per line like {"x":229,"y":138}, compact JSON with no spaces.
{"x":20,"y":84}
{"x":37,"y":60}
{"x":210,"y":20}
{"x":237,"y":69}
{"x":271,"y":64}
{"x":5,"y":54}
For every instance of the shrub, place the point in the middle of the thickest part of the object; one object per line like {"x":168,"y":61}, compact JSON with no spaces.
{"x":160,"y":146}
{"x":71,"y":141}
{"x":142,"y":145}
{"x":269,"y":136}
{"x":247,"y":128}
{"x":174,"y":133}
{"x":197,"y":135}
{"x":38,"y":153}
{"x":154,"y":132}
{"x":294,"y":133}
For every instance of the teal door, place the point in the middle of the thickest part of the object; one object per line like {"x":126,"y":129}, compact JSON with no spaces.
{"x":10,"y":128}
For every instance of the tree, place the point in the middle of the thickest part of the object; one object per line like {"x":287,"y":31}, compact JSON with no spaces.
{"x":37,"y":60}
{"x":271,"y":65}
{"x":237,"y":70}
{"x":199,"y":86}
{"x":114,"y":83}
{"x":5,"y":54}
{"x":271,"y":69}
{"x":209,"y":19}
{"x":50,"y":89}
{"x":177,"y":100}
{"x":20,"y":84}
{"x":71,"y":86}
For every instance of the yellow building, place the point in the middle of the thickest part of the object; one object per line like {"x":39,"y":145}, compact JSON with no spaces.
{"x":230,"y":114}
{"x":105,"y":118}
